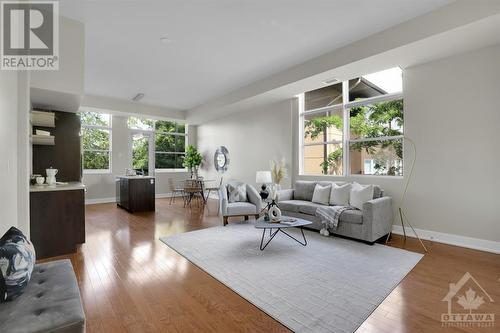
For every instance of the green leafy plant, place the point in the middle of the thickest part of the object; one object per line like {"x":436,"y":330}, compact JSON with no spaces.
{"x":331,"y":161}
{"x":317,"y":126}
{"x":193,"y":158}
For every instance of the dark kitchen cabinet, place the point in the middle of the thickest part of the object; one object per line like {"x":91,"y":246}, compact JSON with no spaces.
{"x":136,"y":194}
{"x":57,"y":222}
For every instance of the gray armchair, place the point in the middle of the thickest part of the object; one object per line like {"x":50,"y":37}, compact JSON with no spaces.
{"x":251,"y":207}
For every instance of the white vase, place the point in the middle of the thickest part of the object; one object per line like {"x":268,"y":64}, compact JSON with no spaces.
{"x":274,"y":213}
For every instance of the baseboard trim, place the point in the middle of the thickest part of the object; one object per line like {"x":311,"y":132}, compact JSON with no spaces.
{"x":451,"y":239}
{"x":99,"y":201}
{"x":113,"y":199}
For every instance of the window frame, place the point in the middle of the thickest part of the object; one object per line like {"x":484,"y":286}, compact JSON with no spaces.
{"x":109,"y":129}
{"x":346,"y":106}
{"x":152,"y":152}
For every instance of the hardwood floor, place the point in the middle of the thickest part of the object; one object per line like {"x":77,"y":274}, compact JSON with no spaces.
{"x":130,"y":281}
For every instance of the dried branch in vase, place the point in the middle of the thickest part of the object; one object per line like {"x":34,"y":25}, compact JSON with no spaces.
{"x":278,"y":171}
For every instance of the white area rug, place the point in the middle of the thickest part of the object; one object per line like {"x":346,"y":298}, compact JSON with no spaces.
{"x":330,"y":285}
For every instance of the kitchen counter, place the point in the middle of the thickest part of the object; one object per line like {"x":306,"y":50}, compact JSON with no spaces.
{"x":136,"y":193}
{"x":58,"y":187}
{"x":57,"y":218}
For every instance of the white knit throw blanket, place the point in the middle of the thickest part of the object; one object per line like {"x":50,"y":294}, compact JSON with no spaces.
{"x":330,"y":215}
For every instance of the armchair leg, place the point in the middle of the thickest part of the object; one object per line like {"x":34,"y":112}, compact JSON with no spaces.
{"x":224,"y":220}
{"x":246,"y":217}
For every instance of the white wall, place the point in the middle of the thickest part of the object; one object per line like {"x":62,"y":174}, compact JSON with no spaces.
{"x":63,"y":89}
{"x":453,"y":115}
{"x":8,"y":149}
{"x":14,"y":167}
{"x":101,"y":187}
{"x":23,"y":152}
{"x":253,"y":138}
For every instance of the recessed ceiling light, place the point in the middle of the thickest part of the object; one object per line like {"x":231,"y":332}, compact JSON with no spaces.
{"x":165,"y":40}
{"x":331,"y":81}
{"x":138,"y":97}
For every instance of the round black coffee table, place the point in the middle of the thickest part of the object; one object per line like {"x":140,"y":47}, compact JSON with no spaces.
{"x":298,"y":223}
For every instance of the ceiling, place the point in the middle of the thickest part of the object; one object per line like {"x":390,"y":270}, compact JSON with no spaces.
{"x":217,"y":46}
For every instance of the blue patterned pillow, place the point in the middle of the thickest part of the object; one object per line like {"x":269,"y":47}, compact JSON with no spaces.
{"x":17,"y":258}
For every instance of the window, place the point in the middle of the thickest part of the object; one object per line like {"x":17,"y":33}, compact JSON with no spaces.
{"x":161,"y":141}
{"x":365,"y":115}
{"x":96,"y":142}
{"x":141,"y":144}
{"x":170,"y":145}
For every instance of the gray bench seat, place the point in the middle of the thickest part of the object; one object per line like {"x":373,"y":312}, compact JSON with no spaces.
{"x":50,"y":303}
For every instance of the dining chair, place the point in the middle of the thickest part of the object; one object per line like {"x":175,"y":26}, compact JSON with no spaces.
{"x":216,"y":190}
{"x":174,"y":190}
{"x":193,"y":190}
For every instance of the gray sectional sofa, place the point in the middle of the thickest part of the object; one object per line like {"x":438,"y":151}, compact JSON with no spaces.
{"x":369,"y":224}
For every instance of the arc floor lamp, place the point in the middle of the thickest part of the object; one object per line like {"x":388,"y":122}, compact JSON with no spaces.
{"x":400,"y":210}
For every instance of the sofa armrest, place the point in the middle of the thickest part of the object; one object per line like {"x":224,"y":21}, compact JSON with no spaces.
{"x":378,"y":215}
{"x":254,"y":197}
{"x":285,"y":195}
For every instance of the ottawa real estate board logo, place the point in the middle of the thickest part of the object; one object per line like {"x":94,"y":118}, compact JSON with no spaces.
{"x":468,"y":303}
{"x":30,"y":35}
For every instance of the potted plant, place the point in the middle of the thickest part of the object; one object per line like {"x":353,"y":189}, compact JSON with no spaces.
{"x":192,"y":160}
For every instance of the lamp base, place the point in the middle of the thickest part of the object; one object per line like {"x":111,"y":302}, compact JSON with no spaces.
{"x":264,"y":193}
{"x":401,"y":215}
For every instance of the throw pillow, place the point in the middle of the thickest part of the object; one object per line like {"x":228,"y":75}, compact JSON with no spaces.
{"x":339,"y":196}
{"x":360,"y":194}
{"x":321,"y":194}
{"x":17,"y":258}
{"x":237,"y":193}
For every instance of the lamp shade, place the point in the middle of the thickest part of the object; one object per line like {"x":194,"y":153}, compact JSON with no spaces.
{"x":263,"y":177}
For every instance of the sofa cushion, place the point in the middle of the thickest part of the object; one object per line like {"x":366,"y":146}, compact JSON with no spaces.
{"x":304,"y":190}
{"x":321,"y":194}
{"x":360,"y":194}
{"x":291,"y":205}
{"x":50,"y":303}
{"x":351,"y":216}
{"x":339,"y":196}
{"x":237,"y":192}
{"x":241,"y":208}
{"x":327,"y":182}
{"x":309,"y":208}
{"x":17,"y":259}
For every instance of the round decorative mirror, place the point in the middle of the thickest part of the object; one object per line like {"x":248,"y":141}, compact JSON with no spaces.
{"x":221,"y":159}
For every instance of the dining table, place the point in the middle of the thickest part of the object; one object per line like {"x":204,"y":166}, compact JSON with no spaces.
{"x":198,"y":189}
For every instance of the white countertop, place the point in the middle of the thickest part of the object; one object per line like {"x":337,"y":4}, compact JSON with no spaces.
{"x":136,"y":177}
{"x":58,"y":187}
